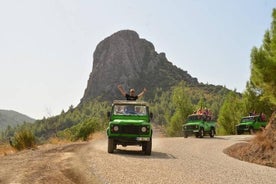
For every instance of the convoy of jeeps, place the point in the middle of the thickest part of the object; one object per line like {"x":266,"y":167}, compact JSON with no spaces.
{"x":203,"y":124}
{"x":130,"y":124}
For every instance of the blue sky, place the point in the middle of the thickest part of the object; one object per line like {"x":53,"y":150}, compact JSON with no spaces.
{"x":46,"y":47}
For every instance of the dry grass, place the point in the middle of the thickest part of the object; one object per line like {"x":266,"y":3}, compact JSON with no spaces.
{"x":261,"y":149}
{"x":6,"y":149}
{"x":97,"y":136}
{"x":56,"y":140}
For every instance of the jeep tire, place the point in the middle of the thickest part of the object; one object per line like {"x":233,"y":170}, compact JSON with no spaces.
{"x":201,"y":133}
{"x":251,"y":130}
{"x":212,"y":132}
{"x":146,"y":147}
{"x":111,"y":145}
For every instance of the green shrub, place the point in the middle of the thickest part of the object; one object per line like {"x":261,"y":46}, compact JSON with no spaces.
{"x":23,"y":139}
{"x":85,"y":129}
{"x":82,"y":130}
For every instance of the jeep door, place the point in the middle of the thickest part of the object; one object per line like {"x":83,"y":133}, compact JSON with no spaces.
{"x":206,"y":124}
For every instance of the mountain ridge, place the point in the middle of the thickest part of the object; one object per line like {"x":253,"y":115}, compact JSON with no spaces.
{"x":13,"y":118}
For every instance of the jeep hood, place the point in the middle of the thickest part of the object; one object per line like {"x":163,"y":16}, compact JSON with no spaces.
{"x":245,"y":123}
{"x":192,"y":123}
{"x":128,"y":121}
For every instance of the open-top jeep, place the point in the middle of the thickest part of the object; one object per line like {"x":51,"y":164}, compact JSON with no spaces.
{"x":250,"y":124}
{"x":129,"y":125}
{"x":199,"y":125}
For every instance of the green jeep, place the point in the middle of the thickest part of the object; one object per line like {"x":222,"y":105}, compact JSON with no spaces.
{"x":250,"y":124}
{"x":199,"y":125}
{"x":129,"y":125}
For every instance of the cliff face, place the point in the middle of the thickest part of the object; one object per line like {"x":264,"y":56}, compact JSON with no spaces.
{"x":124,"y":58}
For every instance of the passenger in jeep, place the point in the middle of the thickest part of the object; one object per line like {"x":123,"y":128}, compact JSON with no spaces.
{"x":262,"y":116}
{"x":131,"y":95}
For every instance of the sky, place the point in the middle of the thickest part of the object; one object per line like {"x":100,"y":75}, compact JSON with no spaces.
{"x":46,"y":47}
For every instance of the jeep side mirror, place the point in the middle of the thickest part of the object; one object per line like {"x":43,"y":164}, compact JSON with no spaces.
{"x":108,"y":114}
{"x":151,"y":115}
{"x":204,"y":118}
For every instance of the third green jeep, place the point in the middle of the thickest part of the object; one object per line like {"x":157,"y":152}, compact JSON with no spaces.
{"x":199,"y":125}
{"x":250,"y":124}
{"x":130,"y":125}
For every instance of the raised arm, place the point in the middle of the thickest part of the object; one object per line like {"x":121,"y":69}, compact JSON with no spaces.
{"x":121,"y":90}
{"x":142,"y":93}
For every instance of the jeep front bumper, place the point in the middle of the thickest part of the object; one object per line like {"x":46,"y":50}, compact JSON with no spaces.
{"x":142,"y":138}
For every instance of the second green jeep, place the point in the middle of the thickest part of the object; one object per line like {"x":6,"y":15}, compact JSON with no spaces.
{"x":199,"y":125}
{"x":130,"y":125}
{"x":250,"y":124}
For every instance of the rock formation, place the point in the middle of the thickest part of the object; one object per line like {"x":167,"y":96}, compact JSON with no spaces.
{"x":124,"y":58}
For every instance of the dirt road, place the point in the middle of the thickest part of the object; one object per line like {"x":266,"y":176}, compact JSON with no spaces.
{"x":173,"y":160}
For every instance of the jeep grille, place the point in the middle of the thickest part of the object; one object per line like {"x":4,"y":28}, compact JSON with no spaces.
{"x":241,"y":127}
{"x":131,"y":129}
{"x":191,"y":127}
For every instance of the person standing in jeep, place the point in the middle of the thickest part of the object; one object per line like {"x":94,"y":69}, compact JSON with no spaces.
{"x":131,"y":95}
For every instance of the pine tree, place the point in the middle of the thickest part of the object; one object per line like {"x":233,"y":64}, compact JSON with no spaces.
{"x":263,"y":65}
{"x":230,"y":113}
{"x":183,"y":107}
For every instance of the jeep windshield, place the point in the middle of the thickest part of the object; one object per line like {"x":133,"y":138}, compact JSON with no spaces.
{"x":130,"y":109}
{"x":199,"y":117}
{"x":194,"y":117}
{"x":248,"y":119}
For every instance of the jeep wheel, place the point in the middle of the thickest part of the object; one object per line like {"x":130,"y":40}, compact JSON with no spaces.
{"x":111,"y":145}
{"x":212,"y":132}
{"x":201,"y":133}
{"x":251,"y":131}
{"x":185,"y":135}
{"x":147,"y":147}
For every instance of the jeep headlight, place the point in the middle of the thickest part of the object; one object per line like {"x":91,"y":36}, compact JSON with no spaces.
{"x":144,"y":129}
{"x":115,"y":128}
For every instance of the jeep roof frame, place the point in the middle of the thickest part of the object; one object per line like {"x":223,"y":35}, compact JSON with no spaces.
{"x":122,"y":102}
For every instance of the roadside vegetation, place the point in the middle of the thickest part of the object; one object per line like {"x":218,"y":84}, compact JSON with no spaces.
{"x":75,"y":124}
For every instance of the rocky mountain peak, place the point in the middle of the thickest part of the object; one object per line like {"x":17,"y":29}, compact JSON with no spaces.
{"x":124,"y":58}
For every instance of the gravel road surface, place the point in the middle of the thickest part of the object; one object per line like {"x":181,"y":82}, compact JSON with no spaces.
{"x":173,"y":160}
{"x":176,"y":160}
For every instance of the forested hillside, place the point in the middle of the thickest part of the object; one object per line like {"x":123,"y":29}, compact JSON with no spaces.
{"x":78,"y":122}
